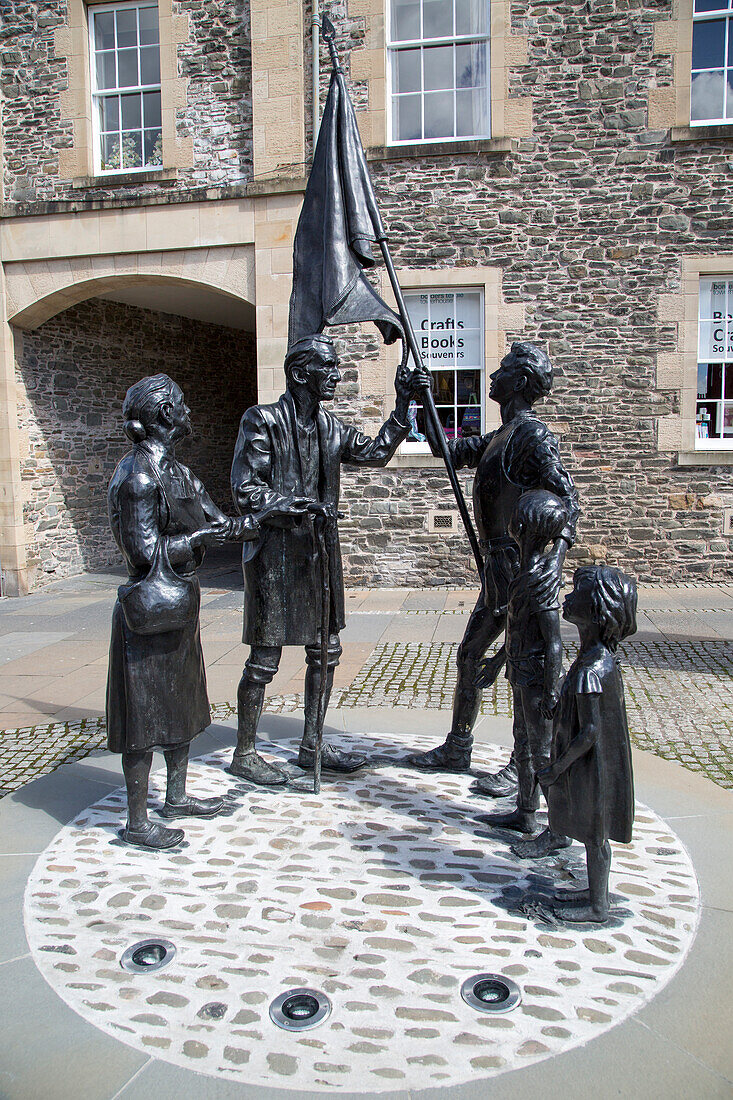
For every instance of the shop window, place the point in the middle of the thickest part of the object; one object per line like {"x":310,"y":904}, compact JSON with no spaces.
{"x":124,"y":50}
{"x":449,"y":326}
{"x":712,"y":62}
{"x":438,"y":70}
{"x":714,"y":410}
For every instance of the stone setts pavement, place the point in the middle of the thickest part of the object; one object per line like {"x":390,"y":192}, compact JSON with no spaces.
{"x":399,"y":651}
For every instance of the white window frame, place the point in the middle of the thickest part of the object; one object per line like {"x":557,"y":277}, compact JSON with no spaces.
{"x":393,"y":48}
{"x":97,"y":94}
{"x":724,"y":358}
{"x":418,"y":448}
{"x":706,"y":17}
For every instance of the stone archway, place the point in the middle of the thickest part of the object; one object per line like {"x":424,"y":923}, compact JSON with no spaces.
{"x":70,"y":319}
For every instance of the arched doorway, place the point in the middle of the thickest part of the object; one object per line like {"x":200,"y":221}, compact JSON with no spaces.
{"x":77,"y":350}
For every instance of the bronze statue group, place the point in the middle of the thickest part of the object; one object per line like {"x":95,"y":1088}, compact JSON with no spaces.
{"x":571,"y":738}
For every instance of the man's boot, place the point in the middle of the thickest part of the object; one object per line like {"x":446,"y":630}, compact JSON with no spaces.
{"x":332,"y":759}
{"x":246,"y":762}
{"x":522,"y":819}
{"x":452,"y":756}
{"x":501,"y":784}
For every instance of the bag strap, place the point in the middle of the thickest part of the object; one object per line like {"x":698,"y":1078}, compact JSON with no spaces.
{"x":157,"y":479}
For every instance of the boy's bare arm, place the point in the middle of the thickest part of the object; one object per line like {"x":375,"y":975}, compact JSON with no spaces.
{"x":549,"y":623}
{"x":589,"y":714}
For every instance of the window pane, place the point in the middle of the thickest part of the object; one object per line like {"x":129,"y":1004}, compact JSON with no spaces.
{"x":405,"y":20}
{"x":437,"y":18}
{"x":131,"y":112}
{"x":470,"y":17}
{"x":728,"y":382}
{"x":407,"y":71}
{"x":711,"y":341}
{"x":132,"y":150}
{"x":468,"y":309}
{"x":126,"y":27}
{"x":417,"y":308}
{"x":439,"y":349}
{"x":447,"y":418}
{"x":707,"y":96}
{"x":471,"y":65}
{"x":710,"y":5}
{"x":149,"y":65}
{"x":709,"y":381}
{"x":151,"y":108}
{"x":469,"y":420}
{"x":468,"y":347}
{"x":444,"y":386}
{"x":706,"y":421}
{"x":708,"y":44}
{"x":127,"y":68}
{"x":729,"y":96}
{"x":148,"y":25}
{"x":472,"y":113}
{"x":153,"y":144}
{"x":727,"y":420}
{"x":110,"y":152}
{"x":468,"y":387}
{"x":110,"y":112}
{"x":416,"y":420}
{"x":104,"y":30}
{"x":407,"y":116}
{"x":106,"y":76}
{"x":438,"y":62}
{"x":713,"y":302}
{"x":439,"y":115}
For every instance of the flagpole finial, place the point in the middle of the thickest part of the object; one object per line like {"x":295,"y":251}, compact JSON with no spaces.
{"x":329,"y":32}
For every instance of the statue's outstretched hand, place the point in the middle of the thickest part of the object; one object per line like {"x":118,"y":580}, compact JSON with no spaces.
{"x":213,"y":534}
{"x":286,"y":512}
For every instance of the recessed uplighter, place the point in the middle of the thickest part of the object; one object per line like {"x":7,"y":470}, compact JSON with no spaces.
{"x":147,"y":956}
{"x":300,"y":1009}
{"x":491,"y":993}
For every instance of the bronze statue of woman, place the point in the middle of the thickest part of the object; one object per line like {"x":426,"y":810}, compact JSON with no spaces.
{"x":162,"y":519}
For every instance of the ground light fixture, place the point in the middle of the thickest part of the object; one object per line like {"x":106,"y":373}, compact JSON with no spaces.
{"x":300,"y":1009}
{"x":491,"y":993}
{"x":147,"y":955}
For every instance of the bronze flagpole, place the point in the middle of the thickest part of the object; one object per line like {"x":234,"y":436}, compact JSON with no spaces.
{"x":431,"y":413}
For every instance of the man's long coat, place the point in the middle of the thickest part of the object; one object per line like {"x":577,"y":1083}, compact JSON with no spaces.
{"x":282,"y":575}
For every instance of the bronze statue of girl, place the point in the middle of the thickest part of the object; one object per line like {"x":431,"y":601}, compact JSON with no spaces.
{"x":589,"y":783}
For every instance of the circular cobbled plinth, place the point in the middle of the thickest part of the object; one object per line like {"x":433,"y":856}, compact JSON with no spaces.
{"x":381,"y":893}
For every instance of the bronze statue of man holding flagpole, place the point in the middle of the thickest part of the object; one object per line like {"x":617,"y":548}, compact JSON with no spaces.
{"x":294,"y":448}
{"x":291,"y":453}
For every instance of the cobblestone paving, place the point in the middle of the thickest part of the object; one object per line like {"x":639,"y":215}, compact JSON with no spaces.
{"x":679,"y":697}
{"x":380,"y":893}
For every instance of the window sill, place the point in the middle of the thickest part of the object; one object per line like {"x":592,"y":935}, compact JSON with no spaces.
{"x":682,"y":134}
{"x":416,"y":462}
{"x":498,"y":146}
{"x":126,"y":179}
{"x":705,"y":458}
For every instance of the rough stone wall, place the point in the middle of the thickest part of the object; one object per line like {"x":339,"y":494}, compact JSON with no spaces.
{"x":72,"y":375}
{"x":588,"y":220}
{"x":217,"y":115}
{"x":31,"y":79}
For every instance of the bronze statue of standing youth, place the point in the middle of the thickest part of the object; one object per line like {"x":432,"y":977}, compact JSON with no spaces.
{"x":522,"y":454}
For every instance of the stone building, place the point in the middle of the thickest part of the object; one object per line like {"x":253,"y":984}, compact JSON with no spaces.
{"x":559,"y":172}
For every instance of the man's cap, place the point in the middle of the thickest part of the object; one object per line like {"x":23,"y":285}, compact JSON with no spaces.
{"x":318,"y":341}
